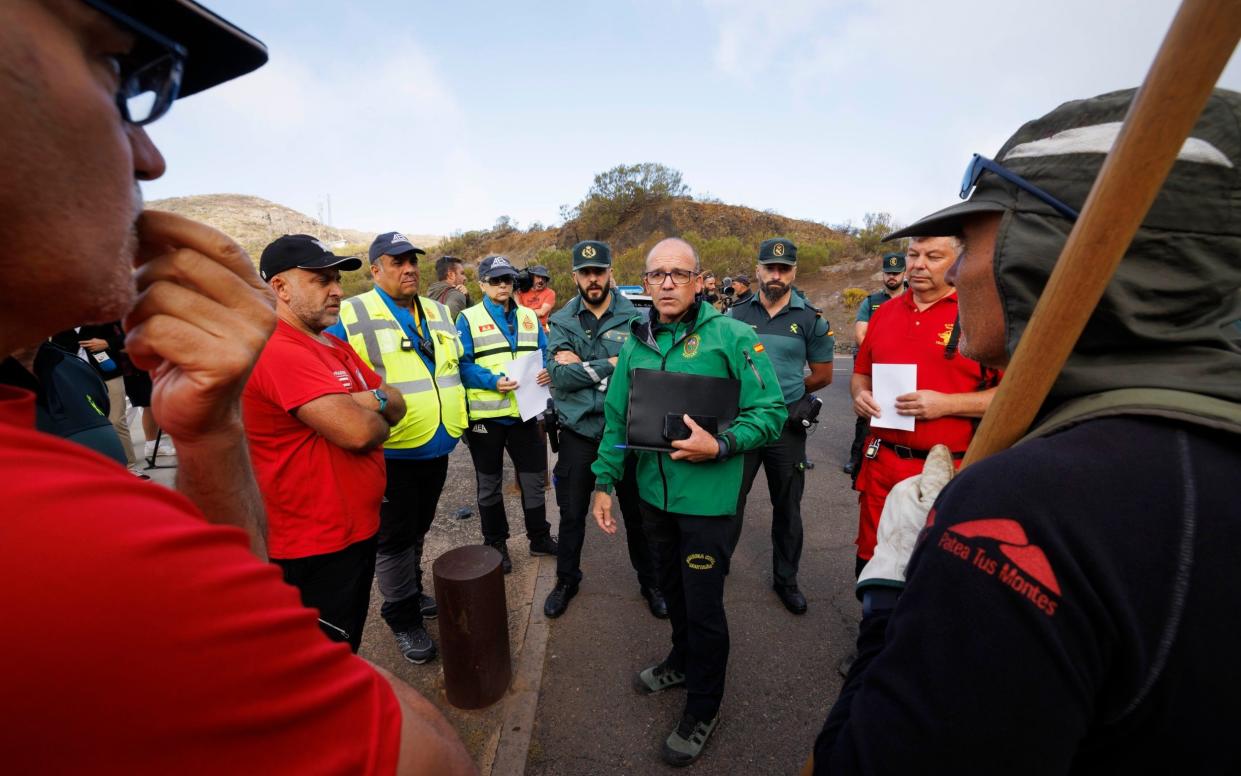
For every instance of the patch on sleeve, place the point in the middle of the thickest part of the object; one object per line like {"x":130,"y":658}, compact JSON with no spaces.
{"x":759,"y":348}
{"x":999,"y":548}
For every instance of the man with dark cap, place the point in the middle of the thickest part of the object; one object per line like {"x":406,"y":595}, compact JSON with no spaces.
{"x":741,"y":289}
{"x":494,"y":333}
{"x":151,"y":634}
{"x":411,"y":342}
{"x":1069,"y":605}
{"x":893,"y":284}
{"x":585,"y":340}
{"x":540,"y":297}
{"x":316,"y":419}
{"x":794,"y":336}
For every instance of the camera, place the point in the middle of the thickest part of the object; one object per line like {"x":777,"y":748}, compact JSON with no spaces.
{"x":524,"y":281}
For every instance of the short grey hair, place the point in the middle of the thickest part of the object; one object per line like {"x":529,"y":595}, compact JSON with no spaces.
{"x":958,"y":246}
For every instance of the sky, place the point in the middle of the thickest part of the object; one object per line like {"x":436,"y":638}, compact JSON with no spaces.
{"x":434,"y":117}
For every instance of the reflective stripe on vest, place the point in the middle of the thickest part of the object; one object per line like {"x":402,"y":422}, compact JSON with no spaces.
{"x":492,"y":351}
{"x":376,"y":335}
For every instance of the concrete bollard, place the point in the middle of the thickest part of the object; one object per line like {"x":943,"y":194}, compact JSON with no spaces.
{"x":473,"y":625}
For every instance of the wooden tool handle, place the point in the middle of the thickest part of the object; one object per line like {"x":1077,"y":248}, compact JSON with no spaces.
{"x":1193,"y":54}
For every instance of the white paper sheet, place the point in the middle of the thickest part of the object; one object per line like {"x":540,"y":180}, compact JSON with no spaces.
{"x":887,"y":382}
{"x":531,"y":397}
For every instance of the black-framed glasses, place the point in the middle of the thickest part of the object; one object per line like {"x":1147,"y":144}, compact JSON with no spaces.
{"x":150,"y":74}
{"x":503,"y":280}
{"x":979,"y":164}
{"x":679,"y":276}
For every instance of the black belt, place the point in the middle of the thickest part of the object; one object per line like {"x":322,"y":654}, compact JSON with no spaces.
{"x":903,"y":451}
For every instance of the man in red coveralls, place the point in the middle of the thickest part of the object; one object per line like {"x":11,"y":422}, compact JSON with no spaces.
{"x":916,"y":328}
{"x":146,"y":636}
{"x":316,"y":419}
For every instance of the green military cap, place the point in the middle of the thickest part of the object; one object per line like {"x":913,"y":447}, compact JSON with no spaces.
{"x":591,"y":253}
{"x":777,"y":250}
{"x":893,"y":262}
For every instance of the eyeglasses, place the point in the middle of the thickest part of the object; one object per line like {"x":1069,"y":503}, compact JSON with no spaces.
{"x":679,"y":276}
{"x":979,"y":164}
{"x":150,"y":74}
{"x":503,"y":280}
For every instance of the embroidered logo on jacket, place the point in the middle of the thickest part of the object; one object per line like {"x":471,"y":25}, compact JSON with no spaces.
{"x":690,"y":348}
{"x":1021,"y":566}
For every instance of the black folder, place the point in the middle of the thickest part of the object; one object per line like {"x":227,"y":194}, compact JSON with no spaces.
{"x":655,"y":394}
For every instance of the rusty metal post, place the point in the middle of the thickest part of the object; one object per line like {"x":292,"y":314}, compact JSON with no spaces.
{"x":473,"y":625}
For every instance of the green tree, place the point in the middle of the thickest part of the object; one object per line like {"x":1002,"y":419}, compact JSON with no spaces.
{"x":623,"y":191}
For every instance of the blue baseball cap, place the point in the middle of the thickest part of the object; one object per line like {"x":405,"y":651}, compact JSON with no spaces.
{"x":392,"y":244}
{"x":494,"y":267}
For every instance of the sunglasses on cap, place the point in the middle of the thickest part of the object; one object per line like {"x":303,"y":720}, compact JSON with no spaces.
{"x":980,"y":164}
{"x":150,"y":74}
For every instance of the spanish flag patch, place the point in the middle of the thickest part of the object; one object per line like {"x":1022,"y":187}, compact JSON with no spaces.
{"x":759,"y":348}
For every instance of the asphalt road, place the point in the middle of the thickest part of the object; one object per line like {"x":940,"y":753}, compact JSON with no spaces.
{"x":782,"y":668}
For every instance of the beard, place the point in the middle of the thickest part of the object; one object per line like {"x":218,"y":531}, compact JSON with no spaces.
{"x":592,"y":294}
{"x":774,"y":290}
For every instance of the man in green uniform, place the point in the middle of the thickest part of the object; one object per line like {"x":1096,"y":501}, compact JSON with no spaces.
{"x":689,"y":496}
{"x":585,"y":339}
{"x":893,"y":286}
{"x":794,"y":335}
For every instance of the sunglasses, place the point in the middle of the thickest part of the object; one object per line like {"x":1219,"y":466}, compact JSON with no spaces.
{"x":980,"y":164}
{"x":503,"y":280}
{"x":150,"y":74}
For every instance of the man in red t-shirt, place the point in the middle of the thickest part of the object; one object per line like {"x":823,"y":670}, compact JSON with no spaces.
{"x":146,"y":636}
{"x":316,"y":419}
{"x":540,"y":297}
{"x":916,"y":328}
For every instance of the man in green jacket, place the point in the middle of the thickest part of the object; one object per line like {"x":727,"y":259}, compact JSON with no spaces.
{"x":689,"y":496}
{"x":585,"y":339}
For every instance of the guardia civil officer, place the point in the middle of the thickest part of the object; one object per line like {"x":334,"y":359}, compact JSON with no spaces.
{"x":794,"y":335}
{"x":494,"y":333}
{"x":411,"y":342}
{"x":893,"y":285}
{"x":585,"y":340}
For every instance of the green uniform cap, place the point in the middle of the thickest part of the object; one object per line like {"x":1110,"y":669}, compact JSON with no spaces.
{"x":893,"y":262}
{"x":777,"y":250}
{"x":592,"y":253}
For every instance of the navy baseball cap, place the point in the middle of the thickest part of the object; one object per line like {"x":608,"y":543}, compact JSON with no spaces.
{"x":494,"y":267}
{"x":392,"y":244}
{"x":301,"y":251}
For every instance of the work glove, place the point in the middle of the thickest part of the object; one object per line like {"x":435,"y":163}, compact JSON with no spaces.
{"x":904,"y":515}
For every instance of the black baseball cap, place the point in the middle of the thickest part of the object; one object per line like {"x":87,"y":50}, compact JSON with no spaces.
{"x":301,"y":251}
{"x":777,"y":250}
{"x":894,"y":262}
{"x":741,"y":278}
{"x":540,"y":271}
{"x":494,"y":267}
{"x":392,"y":244}
{"x":592,"y":253}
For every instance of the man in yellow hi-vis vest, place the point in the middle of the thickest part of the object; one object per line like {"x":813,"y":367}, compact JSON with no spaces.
{"x":411,"y":342}
{"x":493,"y":333}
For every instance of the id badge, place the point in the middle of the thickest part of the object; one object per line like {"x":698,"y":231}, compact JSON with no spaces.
{"x":872,"y":449}
{"x":406,"y":344}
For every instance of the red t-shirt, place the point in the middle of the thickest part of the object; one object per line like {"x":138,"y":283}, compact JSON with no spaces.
{"x":899,"y":334}
{"x":320,"y":498}
{"x":536,"y":299}
{"x":143,"y":640}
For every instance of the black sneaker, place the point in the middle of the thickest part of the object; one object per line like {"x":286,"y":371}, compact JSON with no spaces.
{"x":427,"y":606}
{"x":558,"y":599}
{"x":544,"y":545}
{"x":658,"y":677}
{"x":687,"y":741}
{"x":655,"y":602}
{"x":502,"y":548}
{"x":416,"y":645}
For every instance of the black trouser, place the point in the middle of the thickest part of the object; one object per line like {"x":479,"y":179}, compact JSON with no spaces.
{"x":410,"y":499}
{"x":691,"y":557}
{"x":786,"y":481}
{"x":528,"y":452}
{"x":575,"y":486}
{"x":860,"y":429}
{"x":338,"y":584}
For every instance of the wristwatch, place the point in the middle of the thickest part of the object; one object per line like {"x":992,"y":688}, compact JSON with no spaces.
{"x":381,"y":397}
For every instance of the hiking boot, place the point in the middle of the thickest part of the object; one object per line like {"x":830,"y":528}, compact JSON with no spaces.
{"x":427,"y":607}
{"x":502,"y":548}
{"x":544,"y":545}
{"x":658,"y":677}
{"x":792,"y":598}
{"x":416,"y":645}
{"x":558,"y":599}
{"x":655,"y":601}
{"x":687,"y":741}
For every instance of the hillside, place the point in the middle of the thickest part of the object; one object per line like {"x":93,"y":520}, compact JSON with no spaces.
{"x":254,"y":222}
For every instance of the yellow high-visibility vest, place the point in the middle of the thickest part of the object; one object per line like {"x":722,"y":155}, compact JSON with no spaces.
{"x":492,"y":351}
{"x":374,"y":332}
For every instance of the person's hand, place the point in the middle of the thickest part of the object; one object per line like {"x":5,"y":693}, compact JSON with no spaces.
{"x":566,"y":357}
{"x":93,"y":345}
{"x":461,"y":287}
{"x":506,"y":384}
{"x":700,"y":446}
{"x":613,"y":360}
{"x":904,"y":515}
{"x":543,"y":378}
{"x":601,"y":508}
{"x":865,"y":406}
{"x":927,"y":405}
{"x":201,"y":320}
